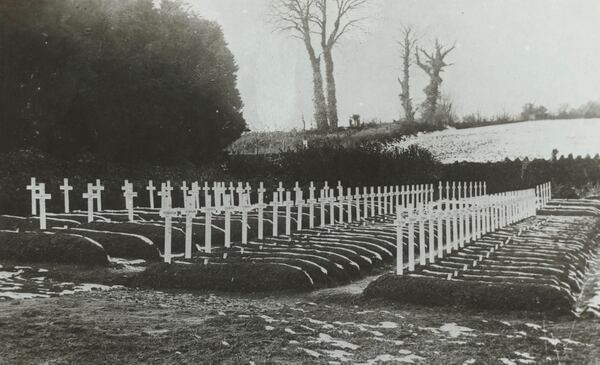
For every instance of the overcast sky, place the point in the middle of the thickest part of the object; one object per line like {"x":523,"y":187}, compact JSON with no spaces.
{"x":508,"y":52}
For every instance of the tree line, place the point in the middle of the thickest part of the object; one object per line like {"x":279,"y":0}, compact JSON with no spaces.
{"x":325,"y":23}
{"x":121,"y":80}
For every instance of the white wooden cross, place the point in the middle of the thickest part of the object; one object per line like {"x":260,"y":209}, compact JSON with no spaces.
{"x":65,"y":187}
{"x":280,"y":190}
{"x":447,"y":190}
{"x":379,"y":201}
{"x":340,"y":198}
{"x":245,"y":206}
{"x":164,"y":196}
{"x":169,"y":197}
{"x":421,"y":219}
{"x":33,"y":187}
{"x":90,"y":196}
{"x":372,"y":197}
{"x":484,"y":188}
{"x":298,"y":199}
{"x":218,"y":194}
{"x":411,"y":238}
{"x":440,"y":191}
{"x":349,"y":204}
{"x":240,"y":190}
{"x":208,"y":210}
{"x":42,"y":197}
{"x":206,"y":190}
{"x":151,"y":189}
{"x":129,"y":194}
{"x":365,"y":197}
{"x":275,"y":205}
{"x":261,"y":207}
{"x":357,"y":197}
{"x":98,"y":189}
{"x":195,"y":192}
{"x":168,"y":214}
{"x":190,"y":212}
{"x":288,"y":203}
{"x":184,"y":190}
{"x":322,"y":200}
{"x":470,"y":189}
{"x":331,"y":199}
{"x":385,"y":196}
{"x":400,"y":223}
{"x":228,"y":208}
{"x":232,"y":192}
{"x":311,"y":205}
{"x":453,"y":190}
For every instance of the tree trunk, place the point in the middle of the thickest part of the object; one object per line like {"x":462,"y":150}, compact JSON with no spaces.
{"x":332,"y":114}
{"x":319,"y":96}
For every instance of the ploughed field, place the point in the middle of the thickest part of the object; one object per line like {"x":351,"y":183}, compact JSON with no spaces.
{"x":534,"y":139}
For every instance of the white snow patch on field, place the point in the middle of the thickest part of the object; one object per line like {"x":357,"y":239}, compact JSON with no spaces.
{"x":339,"y":354}
{"x":455,"y":330}
{"x":552,"y":341}
{"x":387,"y":358}
{"x":311,"y":352}
{"x":534,"y":326}
{"x":325,"y":338}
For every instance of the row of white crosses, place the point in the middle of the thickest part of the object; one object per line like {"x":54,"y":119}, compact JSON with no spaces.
{"x":452,"y":226}
{"x":38,"y":194}
{"x":544,"y":194}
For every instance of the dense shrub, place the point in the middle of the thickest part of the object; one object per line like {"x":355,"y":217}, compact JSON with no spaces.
{"x":123,"y":80}
{"x":45,"y":247}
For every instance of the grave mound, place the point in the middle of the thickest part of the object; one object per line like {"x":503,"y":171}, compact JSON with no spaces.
{"x":119,"y":244}
{"x":16,"y":223}
{"x":153,"y":231}
{"x":49,"y":247}
{"x":537,"y":265}
{"x":237,"y":277}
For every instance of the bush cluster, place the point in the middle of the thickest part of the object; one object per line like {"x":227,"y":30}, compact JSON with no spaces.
{"x":121,"y":80}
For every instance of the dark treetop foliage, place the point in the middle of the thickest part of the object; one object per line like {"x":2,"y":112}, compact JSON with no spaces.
{"x":121,"y":80}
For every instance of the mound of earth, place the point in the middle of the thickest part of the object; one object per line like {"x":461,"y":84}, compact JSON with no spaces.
{"x":238,"y":277}
{"x":537,"y":264}
{"x":50,"y":247}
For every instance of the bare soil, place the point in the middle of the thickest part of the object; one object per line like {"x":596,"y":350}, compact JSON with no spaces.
{"x":143,"y":326}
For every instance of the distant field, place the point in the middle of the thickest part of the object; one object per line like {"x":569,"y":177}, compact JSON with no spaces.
{"x":534,"y":139}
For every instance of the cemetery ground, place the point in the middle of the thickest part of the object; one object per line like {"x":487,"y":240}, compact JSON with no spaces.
{"x":126,"y":325}
{"x":77,"y":291}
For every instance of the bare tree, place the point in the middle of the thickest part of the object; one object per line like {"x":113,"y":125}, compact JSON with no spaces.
{"x":407,"y":45}
{"x":296,"y":16}
{"x":433,"y":66}
{"x":343,"y":20}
